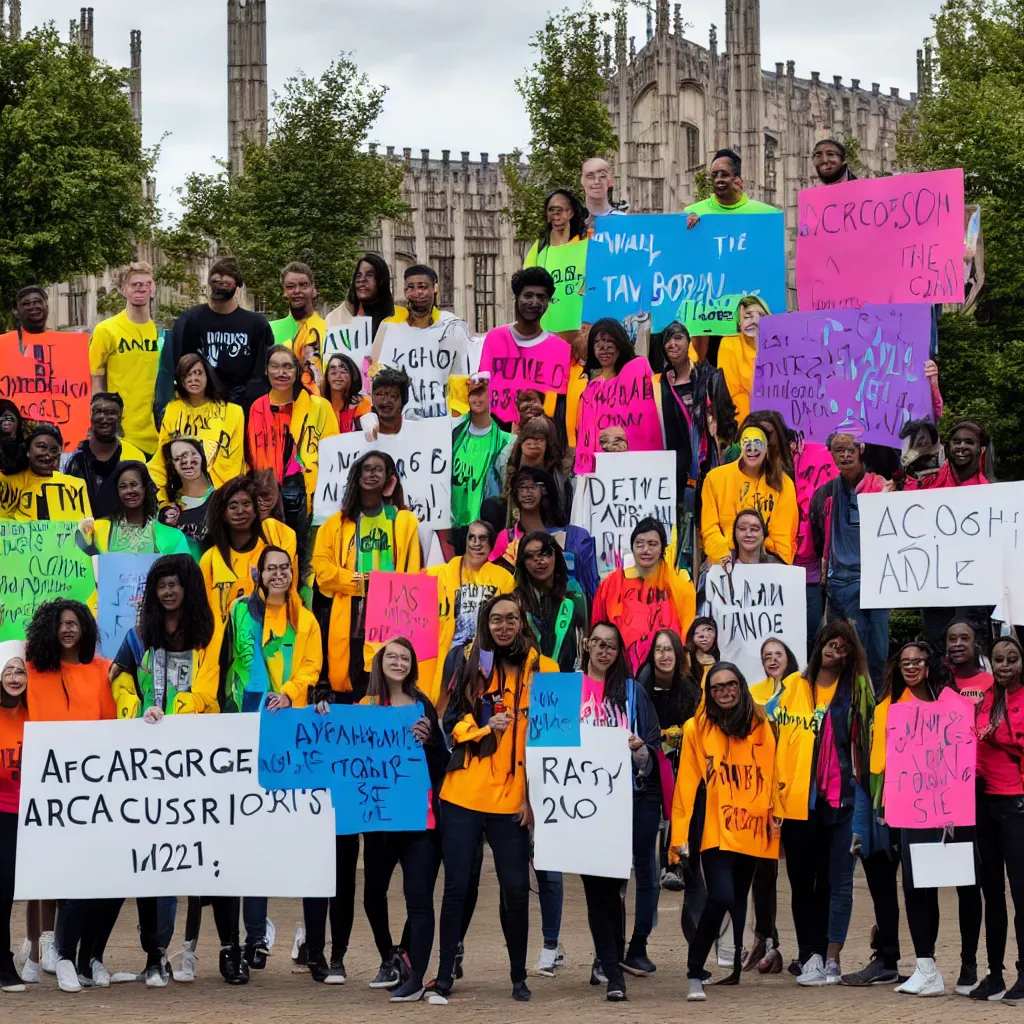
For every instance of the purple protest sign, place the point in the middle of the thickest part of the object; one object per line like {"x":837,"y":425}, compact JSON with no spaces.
{"x":858,"y":370}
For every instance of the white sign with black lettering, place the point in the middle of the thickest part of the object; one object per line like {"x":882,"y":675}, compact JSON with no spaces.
{"x":126,"y":808}
{"x":624,"y":488}
{"x":753,"y":603}
{"x":429,"y":355}
{"x":354,"y":339}
{"x":938,"y":549}
{"x":423,"y":454}
{"x":582,"y":801}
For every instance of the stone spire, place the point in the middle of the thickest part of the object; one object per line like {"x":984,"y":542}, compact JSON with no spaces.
{"x":746,"y":88}
{"x":135,"y":82}
{"x":84,"y":35}
{"x":662,"y":22}
{"x":247,"y":78}
{"x":11,"y":25}
{"x":620,"y":38}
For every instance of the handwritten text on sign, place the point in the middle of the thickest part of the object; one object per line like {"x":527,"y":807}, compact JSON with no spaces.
{"x":756,"y":602}
{"x":814,"y":466}
{"x":126,"y":808}
{"x":857,"y":370}
{"x":940,"y":548}
{"x":429,"y":355}
{"x":366,"y":756}
{"x":930,"y":761}
{"x":120,"y":583}
{"x":513,"y":368}
{"x":896,"y":239}
{"x":353,"y":339}
{"x":555,"y":709}
{"x":652,"y":264}
{"x":423,"y":454}
{"x":403,"y":604}
{"x":39,"y":562}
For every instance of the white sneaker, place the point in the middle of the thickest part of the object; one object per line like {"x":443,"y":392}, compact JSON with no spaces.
{"x":100,"y":975}
{"x":696,"y":993}
{"x":47,"y":953}
{"x":269,"y":934}
{"x":22,"y":955}
{"x":813,"y":972}
{"x":156,"y":976}
{"x":832,"y":972}
{"x":547,"y":963}
{"x":187,"y":971}
{"x":30,"y":972}
{"x":933,"y":984}
{"x":67,"y":976}
{"x":913,"y":985}
{"x":300,"y":938}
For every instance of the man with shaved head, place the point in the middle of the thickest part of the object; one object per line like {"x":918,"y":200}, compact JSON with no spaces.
{"x":597,"y":181}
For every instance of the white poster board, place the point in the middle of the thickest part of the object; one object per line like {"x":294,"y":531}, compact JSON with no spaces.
{"x":582,"y":800}
{"x":624,"y":488}
{"x":126,"y":808}
{"x":423,"y":454}
{"x":354,"y":339}
{"x":768,"y":600}
{"x":939,"y":548}
{"x":429,"y":355}
{"x":942,"y":865}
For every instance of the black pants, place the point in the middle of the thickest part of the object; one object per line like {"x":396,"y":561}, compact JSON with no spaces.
{"x":419,"y":853}
{"x":1000,"y":842}
{"x":340,"y":907}
{"x":880,"y":870}
{"x":606,"y":914}
{"x":83,"y":928}
{"x":766,"y":903}
{"x":225,"y":917}
{"x":728,"y":876}
{"x":461,"y":830}
{"x":695,"y":892}
{"x":923,"y":904}
{"x":8,"y":855}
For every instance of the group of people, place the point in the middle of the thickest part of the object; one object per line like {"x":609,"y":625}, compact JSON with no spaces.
{"x":203,"y":449}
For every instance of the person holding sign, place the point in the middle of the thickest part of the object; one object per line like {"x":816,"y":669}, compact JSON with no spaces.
{"x":343,"y":388}
{"x":36,"y":490}
{"x":484,"y":789}
{"x":749,"y":535}
{"x":566,"y":219}
{"x":651,"y":595}
{"x":728,"y":195}
{"x":373,"y":532}
{"x":969,"y":460}
{"x":202,"y":411}
{"x":824,"y":719}
{"x":611,"y":698}
{"x":393,"y":683}
{"x":757,"y":481}
{"x":369,"y":294}
{"x":829,"y":159}
{"x":13,"y":715}
{"x":730,"y":746}
{"x":389,"y":393}
{"x":1000,"y":727}
{"x":188,"y":490}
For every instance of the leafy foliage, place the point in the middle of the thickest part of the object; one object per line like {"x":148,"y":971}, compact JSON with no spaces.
{"x":71,"y":165}
{"x":568,"y":119}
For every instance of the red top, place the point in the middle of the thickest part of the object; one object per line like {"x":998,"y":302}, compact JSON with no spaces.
{"x":12,"y":726}
{"x":944,"y":478}
{"x":975,"y":687}
{"x":1000,"y":753}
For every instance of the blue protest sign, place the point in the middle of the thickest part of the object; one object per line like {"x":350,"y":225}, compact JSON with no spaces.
{"x":366,"y":756}
{"x":555,"y":699}
{"x":652,"y":264}
{"x":121,"y":579}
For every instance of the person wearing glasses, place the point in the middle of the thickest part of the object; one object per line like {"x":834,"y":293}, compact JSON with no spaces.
{"x":835,"y":533}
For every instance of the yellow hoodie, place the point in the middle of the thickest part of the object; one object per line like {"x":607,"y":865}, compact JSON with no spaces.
{"x":221,"y":428}
{"x":67,"y":499}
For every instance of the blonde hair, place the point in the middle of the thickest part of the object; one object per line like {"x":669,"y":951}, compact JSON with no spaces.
{"x":138,"y":267}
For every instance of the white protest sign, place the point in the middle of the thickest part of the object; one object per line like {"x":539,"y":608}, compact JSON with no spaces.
{"x":423,"y":454}
{"x":942,"y":865}
{"x":942,"y":548}
{"x":624,"y":488}
{"x":126,"y":808}
{"x":766,"y":600}
{"x":582,"y":800}
{"x":429,"y":355}
{"x":354,"y":339}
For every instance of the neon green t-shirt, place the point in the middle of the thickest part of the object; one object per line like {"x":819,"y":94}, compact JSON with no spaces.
{"x":745,"y":205}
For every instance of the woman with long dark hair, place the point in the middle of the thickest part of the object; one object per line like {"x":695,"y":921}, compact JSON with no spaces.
{"x":702,"y":646}
{"x":824,"y":753}
{"x":779,"y":663}
{"x":484,"y":789}
{"x":608,"y":350}
{"x":566,"y":219}
{"x":729,"y":745}
{"x":537,"y":445}
{"x":369,"y":294}
{"x":373,"y":532}
{"x":188,"y":489}
{"x":343,"y":389}
{"x":611,"y":698}
{"x":393,"y":683}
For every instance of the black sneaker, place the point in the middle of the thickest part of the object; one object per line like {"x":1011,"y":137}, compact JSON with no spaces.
{"x":411,"y":992}
{"x":233,"y":969}
{"x":336,"y":974}
{"x":875,"y":973}
{"x":597,"y":975}
{"x":317,"y":967}
{"x":1016,"y":994}
{"x":795,"y":968}
{"x":967,"y":982}
{"x":521,"y":992}
{"x":256,"y":957}
{"x":460,"y":955}
{"x":991,"y":989}
{"x":387,"y":975}
{"x":10,"y":980}
{"x":639,"y":965}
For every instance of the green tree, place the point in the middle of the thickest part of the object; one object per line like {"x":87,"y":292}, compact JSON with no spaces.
{"x":568,"y":119}
{"x":71,"y":165}
{"x":974,"y":119}
{"x":312,"y":194}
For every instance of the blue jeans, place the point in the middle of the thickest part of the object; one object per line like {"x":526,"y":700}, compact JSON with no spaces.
{"x":549,"y":891}
{"x":872,"y":625}
{"x":646,"y":823}
{"x":815,"y":611}
{"x":254,"y":915}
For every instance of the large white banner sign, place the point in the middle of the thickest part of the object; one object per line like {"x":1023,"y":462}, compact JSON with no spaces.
{"x":126,"y":808}
{"x":582,"y":801}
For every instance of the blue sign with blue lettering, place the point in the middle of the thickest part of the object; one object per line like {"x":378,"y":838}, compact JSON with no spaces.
{"x":653,"y":264}
{"x":555,"y":699}
{"x":367,"y":756}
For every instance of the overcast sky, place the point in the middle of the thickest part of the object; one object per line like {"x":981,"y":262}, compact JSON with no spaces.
{"x":449,"y":65}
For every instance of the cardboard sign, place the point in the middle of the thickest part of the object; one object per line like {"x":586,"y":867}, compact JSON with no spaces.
{"x":403,"y":604}
{"x":653,"y":264}
{"x":856,"y":370}
{"x":931,"y":755}
{"x":353,"y":339}
{"x":47,"y":377}
{"x":895,"y":239}
{"x":763,"y":601}
{"x":555,"y":699}
{"x":120,"y":584}
{"x":513,"y":368}
{"x":366,"y":756}
{"x":429,"y":355}
{"x":423,"y":454}
{"x":582,"y":801}
{"x":127,"y":808}
{"x":39,"y":562}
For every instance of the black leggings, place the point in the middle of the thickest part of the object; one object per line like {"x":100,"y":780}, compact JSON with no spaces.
{"x":728,"y":876}
{"x":766,"y":903}
{"x":880,"y":870}
{"x":226,"y":910}
{"x":606,"y":915}
{"x":1000,"y":842}
{"x":83,"y":929}
{"x":8,"y":855}
{"x":340,"y":907}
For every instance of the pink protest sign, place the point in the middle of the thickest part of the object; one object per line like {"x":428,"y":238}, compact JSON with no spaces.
{"x":626,"y":401}
{"x":403,"y":604}
{"x":896,"y":239}
{"x":514,"y":368}
{"x":814,"y":466}
{"x":930,"y":759}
